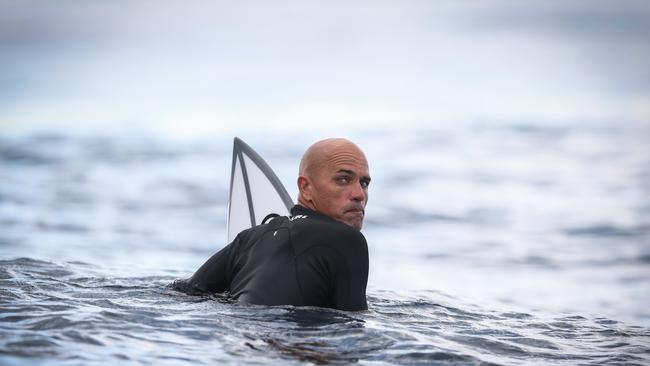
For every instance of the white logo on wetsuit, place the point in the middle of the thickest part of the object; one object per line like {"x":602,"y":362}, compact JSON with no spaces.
{"x":297,"y":217}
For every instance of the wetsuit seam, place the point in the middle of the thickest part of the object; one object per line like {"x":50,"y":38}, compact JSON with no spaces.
{"x":295,"y":266}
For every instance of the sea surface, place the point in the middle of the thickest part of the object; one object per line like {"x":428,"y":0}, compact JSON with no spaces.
{"x":490,"y":244}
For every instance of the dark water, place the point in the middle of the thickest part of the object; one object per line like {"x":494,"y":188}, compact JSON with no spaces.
{"x":490,"y":244}
{"x":67,"y":313}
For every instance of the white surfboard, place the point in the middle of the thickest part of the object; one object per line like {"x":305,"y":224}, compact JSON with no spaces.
{"x":255,"y":191}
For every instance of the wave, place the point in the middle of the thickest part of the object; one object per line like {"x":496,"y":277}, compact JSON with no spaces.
{"x":62,"y":311}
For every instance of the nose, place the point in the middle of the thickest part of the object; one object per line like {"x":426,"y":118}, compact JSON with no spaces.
{"x":357,"y":193}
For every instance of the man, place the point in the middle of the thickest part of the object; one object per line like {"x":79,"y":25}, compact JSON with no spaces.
{"x":315,"y":257}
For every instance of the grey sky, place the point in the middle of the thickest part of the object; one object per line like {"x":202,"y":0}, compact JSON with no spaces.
{"x":210,"y":64}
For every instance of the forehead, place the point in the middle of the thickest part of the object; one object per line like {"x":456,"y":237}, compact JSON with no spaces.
{"x":348,"y":158}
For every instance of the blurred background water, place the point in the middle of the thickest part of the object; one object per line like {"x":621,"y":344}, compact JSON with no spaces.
{"x":509,"y":214}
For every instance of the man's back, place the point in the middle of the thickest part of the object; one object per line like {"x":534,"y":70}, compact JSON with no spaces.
{"x":307,"y":259}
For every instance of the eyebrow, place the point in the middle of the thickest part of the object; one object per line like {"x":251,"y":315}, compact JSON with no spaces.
{"x":350,"y":172}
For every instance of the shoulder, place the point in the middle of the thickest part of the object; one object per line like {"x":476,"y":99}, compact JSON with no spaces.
{"x":315,"y":226}
{"x":346,"y":233}
{"x":313,"y":231}
{"x":253,"y":234}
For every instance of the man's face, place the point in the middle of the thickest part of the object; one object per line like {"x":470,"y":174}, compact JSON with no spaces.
{"x":339,"y":186}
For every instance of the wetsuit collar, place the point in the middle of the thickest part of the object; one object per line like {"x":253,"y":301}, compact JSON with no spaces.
{"x":302,"y":210}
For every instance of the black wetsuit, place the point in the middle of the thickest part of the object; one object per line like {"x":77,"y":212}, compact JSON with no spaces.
{"x":307,"y":259}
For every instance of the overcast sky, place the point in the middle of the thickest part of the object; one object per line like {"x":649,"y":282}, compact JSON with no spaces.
{"x":211,"y":66}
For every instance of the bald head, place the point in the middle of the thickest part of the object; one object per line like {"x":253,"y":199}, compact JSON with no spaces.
{"x":333,"y":180}
{"x":322,"y":151}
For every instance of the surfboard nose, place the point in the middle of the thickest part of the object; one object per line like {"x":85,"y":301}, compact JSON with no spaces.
{"x":255,"y":191}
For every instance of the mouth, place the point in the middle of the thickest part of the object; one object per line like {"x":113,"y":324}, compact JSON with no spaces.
{"x":356,"y":210}
{"x":354,"y":216}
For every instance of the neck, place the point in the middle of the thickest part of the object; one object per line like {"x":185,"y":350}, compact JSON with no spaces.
{"x":307,"y":204}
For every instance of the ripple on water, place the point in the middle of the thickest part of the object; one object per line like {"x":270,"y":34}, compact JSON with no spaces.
{"x":32,"y":347}
{"x":119,"y":320}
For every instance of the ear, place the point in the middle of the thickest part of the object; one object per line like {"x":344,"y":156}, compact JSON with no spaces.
{"x":304,"y":188}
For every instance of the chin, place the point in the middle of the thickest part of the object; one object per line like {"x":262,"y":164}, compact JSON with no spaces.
{"x":356,"y":224}
{"x":355,"y":221}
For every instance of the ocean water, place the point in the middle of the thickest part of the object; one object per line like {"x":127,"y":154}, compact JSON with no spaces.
{"x":509,"y":214}
{"x":490,"y":243}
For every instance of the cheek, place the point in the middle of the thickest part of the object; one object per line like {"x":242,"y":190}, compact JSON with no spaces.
{"x":334,"y":196}
{"x":327,"y":194}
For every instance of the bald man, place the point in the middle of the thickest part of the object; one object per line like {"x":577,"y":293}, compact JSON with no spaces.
{"x":315,"y":257}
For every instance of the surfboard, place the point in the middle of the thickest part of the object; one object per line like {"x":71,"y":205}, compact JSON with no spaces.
{"x":255,"y":191}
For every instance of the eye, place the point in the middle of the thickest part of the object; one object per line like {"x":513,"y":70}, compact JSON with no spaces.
{"x":343,"y":179}
{"x":365,"y":183}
